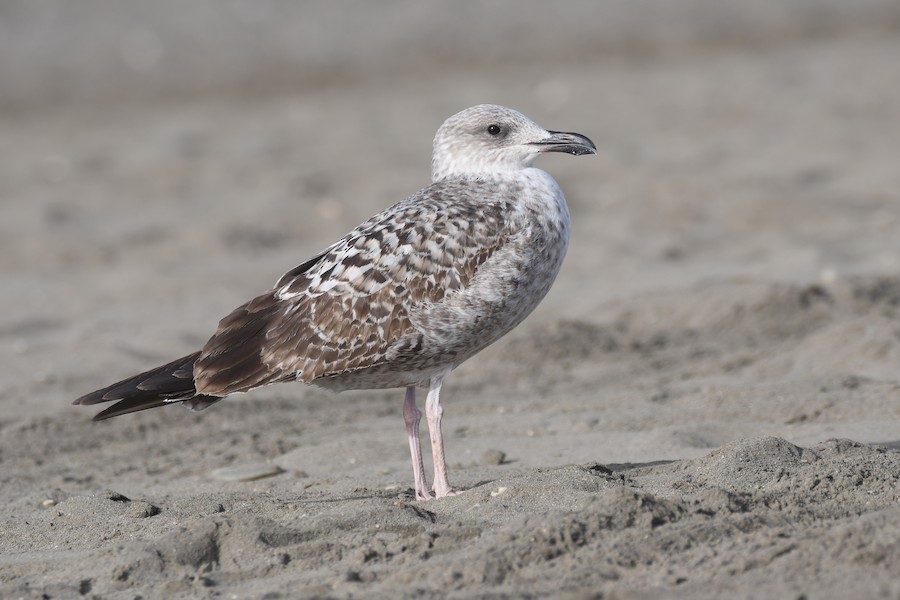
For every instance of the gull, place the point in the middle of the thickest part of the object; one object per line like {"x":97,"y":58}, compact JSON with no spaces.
{"x":405,"y":297}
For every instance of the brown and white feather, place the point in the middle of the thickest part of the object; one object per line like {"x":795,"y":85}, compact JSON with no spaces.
{"x":401,"y":295}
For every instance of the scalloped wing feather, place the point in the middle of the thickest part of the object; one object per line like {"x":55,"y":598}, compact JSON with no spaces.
{"x":350,"y":308}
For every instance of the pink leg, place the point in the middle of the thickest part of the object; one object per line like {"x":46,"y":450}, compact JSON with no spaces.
{"x":411,"y":415}
{"x":433,"y":412}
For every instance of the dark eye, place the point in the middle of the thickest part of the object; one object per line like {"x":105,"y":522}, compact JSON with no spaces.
{"x":493,"y":129}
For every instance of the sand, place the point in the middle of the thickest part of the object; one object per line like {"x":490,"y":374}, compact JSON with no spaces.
{"x":705,"y":406}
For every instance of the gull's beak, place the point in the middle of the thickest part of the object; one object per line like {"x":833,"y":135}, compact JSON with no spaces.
{"x":561,"y":141}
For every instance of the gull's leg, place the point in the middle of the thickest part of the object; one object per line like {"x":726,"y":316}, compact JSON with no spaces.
{"x":411,"y":415}
{"x":433,"y":412}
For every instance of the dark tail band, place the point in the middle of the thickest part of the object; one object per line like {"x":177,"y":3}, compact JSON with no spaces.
{"x":163,"y":385}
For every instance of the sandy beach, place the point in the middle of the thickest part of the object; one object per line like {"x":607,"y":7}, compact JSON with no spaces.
{"x":706,"y":405}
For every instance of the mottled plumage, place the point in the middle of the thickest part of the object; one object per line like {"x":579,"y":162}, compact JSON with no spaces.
{"x":406,"y":296}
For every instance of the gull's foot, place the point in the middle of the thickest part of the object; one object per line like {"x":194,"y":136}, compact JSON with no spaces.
{"x":424,"y":495}
{"x":438,"y":493}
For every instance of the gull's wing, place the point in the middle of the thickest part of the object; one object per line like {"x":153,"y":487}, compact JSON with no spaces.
{"x":349,"y":308}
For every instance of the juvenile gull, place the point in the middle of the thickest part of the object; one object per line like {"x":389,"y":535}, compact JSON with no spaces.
{"x":404,"y":298}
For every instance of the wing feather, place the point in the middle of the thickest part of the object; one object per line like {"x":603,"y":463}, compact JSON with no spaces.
{"x":349,"y":308}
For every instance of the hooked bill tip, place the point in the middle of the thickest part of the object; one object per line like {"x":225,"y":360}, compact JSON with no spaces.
{"x":570,"y":143}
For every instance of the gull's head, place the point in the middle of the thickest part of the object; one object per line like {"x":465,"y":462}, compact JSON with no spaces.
{"x":488,"y":138}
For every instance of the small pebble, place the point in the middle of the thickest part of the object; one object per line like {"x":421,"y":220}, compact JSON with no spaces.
{"x":493,"y":457}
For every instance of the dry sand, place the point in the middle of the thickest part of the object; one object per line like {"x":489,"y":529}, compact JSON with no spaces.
{"x":706,"y":406}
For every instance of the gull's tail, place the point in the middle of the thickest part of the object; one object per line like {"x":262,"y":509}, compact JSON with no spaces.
{"x":172,"y":382}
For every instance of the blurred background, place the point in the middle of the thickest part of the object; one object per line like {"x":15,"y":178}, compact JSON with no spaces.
{"x":162,"y":161}
{"x":102,"y":52}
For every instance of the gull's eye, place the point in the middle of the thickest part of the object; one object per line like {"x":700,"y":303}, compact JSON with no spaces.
{"x":494,"y":129}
